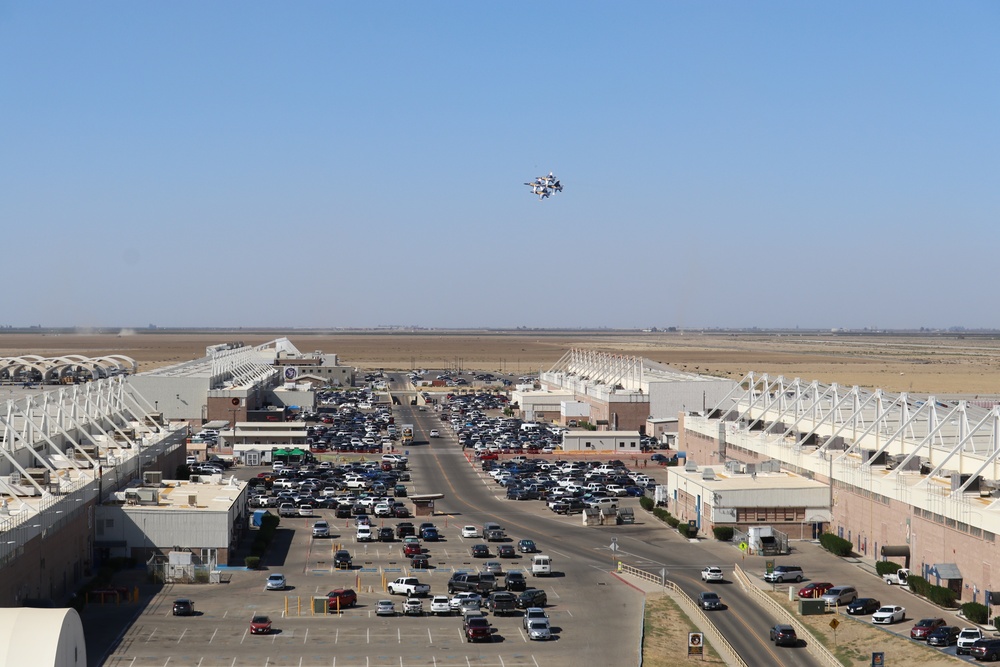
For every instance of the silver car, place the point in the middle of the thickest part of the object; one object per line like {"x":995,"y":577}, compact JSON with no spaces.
{"x":839,"y":595}
{"x":539,"y":631}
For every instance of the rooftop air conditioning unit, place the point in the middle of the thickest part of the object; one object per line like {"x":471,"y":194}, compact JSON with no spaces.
{"x":152,"y":477}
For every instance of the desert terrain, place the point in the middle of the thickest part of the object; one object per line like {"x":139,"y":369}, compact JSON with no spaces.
{"x":945,"y":364}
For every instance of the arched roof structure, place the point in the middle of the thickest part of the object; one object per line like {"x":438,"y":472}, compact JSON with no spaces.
{"x":42,"y":638}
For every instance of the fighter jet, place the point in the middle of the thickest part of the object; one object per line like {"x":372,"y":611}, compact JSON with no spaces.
{"x":544,"y":186}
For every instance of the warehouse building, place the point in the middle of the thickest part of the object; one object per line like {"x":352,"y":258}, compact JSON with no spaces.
{"x":911,"y":477}
{"x":623,"y":392}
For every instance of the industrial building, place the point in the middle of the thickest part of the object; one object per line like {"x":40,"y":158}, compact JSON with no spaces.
{"x":910,"y":477}
{"x":622,"y":392}
{"x":619,"y":442}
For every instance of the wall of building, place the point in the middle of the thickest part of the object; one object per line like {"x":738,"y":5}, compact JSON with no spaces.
{"x":581,"y":441}
{"x":668,"y":398}
{"x":50,"y":566}
{"x":179,"y":398}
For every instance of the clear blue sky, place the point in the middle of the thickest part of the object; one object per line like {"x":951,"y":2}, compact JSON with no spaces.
{"x":314,"y":164}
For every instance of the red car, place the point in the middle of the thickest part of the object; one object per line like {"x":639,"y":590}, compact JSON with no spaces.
{"x":260,"y":625}
{"x":815,"y":589}
{"x":925,"y":626}
{"x":489,"y":456}
{"x":346,"y":596}
{"x":412,"y":549}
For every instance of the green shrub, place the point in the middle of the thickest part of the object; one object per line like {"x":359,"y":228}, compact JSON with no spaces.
{"x":836,"y":545}
{"x":941,"y":596}
{"x":646,"y":503}
{"x":252,"y":562}
{"x":918,"y":585}
{"x":723,"y":533}
{"x":886,"y":567}
{"x":661,"y":514}
{"x":682,"y":528}
{"x":673,"y":522}
{"x":975,"y":612}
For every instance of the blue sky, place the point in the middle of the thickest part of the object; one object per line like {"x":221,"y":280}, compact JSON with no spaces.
{"x":326,"y":164}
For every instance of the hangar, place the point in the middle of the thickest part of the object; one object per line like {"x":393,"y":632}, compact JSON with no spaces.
{"x":902,"y":470}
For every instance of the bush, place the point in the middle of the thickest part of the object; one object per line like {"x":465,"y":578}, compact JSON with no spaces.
{"x":918,"y":585}
{"x":723,"y":533}
{"x":646,"y":503}
{"x":975,"y":612}
{"x":836,"y":545}
{"x":252,"y":562}
{"x":886,"y":567}
{"x":661,"y":514}
{"x":673,"y":522}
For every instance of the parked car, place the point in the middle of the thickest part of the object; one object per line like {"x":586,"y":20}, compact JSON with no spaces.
{"x":466,"y":601}
{"x":412,"y":549}
{"x":515,"y":581}
{"x":839,"y":595}
{"x":341,"y":597}
{"x":260,"y":624}
{"x":385,"y":608}
{"x":526,"y":546}
{"x":480,"y":551}
{"x":815,"y":589}
{"x":441,"y":605}
{"x":342,"y":560}
{"x":405,"y":529}
{"x":470,"y":531}
{"x":476,"y":629}
{"x":712,"y":573}
{"x":532,"y":597}
{"x":946,"y":635}
{"x":420,"y":562}
{"x":183,"y":607}
{"x":493,"y":567}
{"x":506,"y":551}
{"x":863,"y":606}
{"x":889,"y":614}
{"x":385,"y":534}
{"x":966,"y":638}
{"x":539,"y":631}
{"x":783,"y":573}
{"x":784,"y":635}
{"x":501,"y":602}
{"x":925,"y":626}
{"x":536,"y":614}
{"x":275,"y":582}
{"x":986,"y":649}
{"x":321,"y":529}
{"x":413,"y":607}
{"x":708,"y":600}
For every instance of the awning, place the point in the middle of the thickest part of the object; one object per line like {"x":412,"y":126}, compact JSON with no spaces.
{"x":297,"y":452}
{"x":947,"y":570}
{"x":280,"y":452}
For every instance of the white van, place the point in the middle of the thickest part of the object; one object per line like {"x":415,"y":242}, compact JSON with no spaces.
{"x":541,"y":565}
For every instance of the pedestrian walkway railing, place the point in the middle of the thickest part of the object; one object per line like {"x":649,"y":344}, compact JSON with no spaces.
{"x":691,"y":608}
{"x":813,"y":645}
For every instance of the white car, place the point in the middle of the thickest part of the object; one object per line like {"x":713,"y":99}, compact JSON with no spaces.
{"x":886,"y":615}
{"x":466,"y":601}
{"x":440,"y":605}
{"x":383,"y":509}
{"x":712,"y":573}
{"x":435,"y":433}
{"x":470,"y":531}
{"x":364,"y":534}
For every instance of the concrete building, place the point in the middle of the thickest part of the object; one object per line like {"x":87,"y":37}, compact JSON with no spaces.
{"x":623,"y":392}
{"x":909,"y":475}
{"x":202,"y":517}
{"x":314,"y":365}
{"x":42,"y":638}
{"x":740,"y":497}
{"x":618,"y":442}
{"x":535,"y":405}
{"x":60,"y":452}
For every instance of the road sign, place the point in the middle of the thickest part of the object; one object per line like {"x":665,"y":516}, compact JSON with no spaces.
{"x":743,"y":546}
{"x":834,"y":623}
{"x":696,"y":643}
{"x":878,"y":659}
{"x":614,"y":544}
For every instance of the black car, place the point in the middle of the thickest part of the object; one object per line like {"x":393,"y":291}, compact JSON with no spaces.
{"x":342,"y":560}
{"x":183,"y":607}
{"x":532,"y":597}
{"x":385,"y":534}
{"x":515,"y":581}
{"x":986,"y":649}
{"x":343,"y":512}
{"x":405,"y":529}
{"x":784,"y":635}
{"x":480,"y":551}
{"x":420,"y":562}
{"x":506,"y":551}
{"x":863,"y":606}
{"x":946,"y":635}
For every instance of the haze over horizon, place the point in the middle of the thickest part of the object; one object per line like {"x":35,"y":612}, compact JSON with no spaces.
{"x":315,"y":165}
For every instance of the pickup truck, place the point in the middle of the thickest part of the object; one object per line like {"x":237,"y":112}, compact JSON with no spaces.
{"x":966,"y":638}
{"x":471,"y":583}
{"x":898,"y":577}
{"x":408,"y":586}
{"x":501,"y":602}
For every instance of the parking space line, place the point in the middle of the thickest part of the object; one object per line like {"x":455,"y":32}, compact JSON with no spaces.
{"x":533,"y":660}
{"x":523,"y":638}
{"x":501,"y":660}
{"x":306,"y":635}
{"x":213,"y":636}
{"x":182,"y":635}
{"x":150,"y":635}
{"x":430,"y":638}
{"x":242,"y":640}
{"x":399,"y":636}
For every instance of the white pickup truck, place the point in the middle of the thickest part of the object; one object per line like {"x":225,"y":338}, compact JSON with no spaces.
{"x":408,"y":586}
{"x":898,"y":577}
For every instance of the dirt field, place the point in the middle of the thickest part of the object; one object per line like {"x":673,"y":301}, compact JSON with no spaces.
{"x":666,"y":635}
{"x":941,"y":365}
{"x":855,"y":640}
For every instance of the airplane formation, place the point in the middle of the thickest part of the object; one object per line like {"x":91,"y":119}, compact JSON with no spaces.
{"x":544,"y":186}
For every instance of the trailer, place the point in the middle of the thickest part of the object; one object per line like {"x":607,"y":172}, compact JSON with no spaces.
{"x":406,"y":436}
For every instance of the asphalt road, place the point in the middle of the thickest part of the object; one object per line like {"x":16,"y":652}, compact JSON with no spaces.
{"x":584,"y":552}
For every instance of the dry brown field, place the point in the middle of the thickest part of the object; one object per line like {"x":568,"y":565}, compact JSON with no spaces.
{"x":943,"y":365}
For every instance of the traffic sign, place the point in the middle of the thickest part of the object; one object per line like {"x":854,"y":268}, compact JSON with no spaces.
{"x":696,"y":643}
{"x":614,"y":544}
{"x":743,"y":546}
{"x":834,"y":623}
{"x":878,"y":659}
